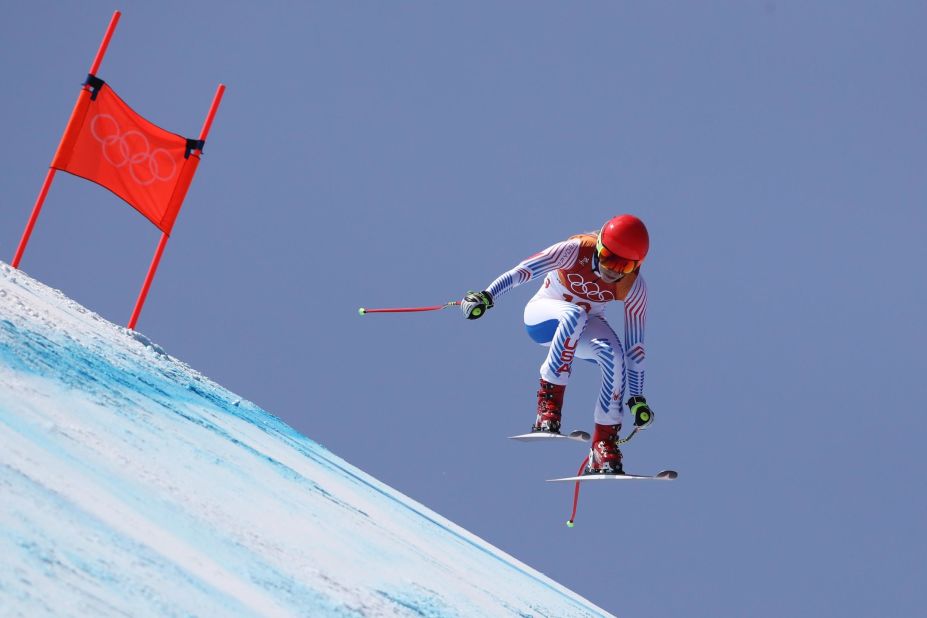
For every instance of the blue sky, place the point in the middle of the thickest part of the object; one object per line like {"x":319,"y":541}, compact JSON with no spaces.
{"x":395,"y":154}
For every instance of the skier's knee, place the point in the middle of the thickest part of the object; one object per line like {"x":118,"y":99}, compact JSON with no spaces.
{"x":574,"y":318}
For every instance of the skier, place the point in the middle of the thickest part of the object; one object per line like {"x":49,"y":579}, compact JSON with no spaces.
{"x":583,"y":274}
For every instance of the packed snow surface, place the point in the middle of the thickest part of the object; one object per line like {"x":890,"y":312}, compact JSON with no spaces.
{"x":131,"y":485}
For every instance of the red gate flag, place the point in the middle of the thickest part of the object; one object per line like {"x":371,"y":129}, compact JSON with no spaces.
{"x":110,"y":144}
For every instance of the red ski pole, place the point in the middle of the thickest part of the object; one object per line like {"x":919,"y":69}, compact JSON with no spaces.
{"x":453,"y":303}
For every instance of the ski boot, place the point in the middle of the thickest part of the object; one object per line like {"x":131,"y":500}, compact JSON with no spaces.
{"x":605,"y":456}
{"x":550,"y":403}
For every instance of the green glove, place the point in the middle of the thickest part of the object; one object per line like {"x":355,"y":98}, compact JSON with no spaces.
{"x":475,"y":304}
{"x":643,"y":415}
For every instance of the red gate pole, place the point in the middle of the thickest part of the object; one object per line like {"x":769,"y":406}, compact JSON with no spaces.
{"x":50,"y":176}
{"x":160,"y":250}
{"x":148,"y":279}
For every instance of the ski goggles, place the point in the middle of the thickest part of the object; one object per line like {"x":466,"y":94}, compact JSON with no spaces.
{"x":613,"y":262}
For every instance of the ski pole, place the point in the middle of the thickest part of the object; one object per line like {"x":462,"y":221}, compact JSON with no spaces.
{"x":627,"y":438}
{"x":572,"y":520}
{"x":453,"y":303}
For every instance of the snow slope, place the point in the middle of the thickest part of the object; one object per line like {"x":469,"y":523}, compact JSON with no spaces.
{"x":131,"y":485}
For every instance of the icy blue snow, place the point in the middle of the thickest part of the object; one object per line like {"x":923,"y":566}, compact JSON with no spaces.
{"x":131,"y":485}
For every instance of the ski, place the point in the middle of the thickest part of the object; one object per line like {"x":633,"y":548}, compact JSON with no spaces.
{"x":665,"y":475}
{"x":577,"y":435}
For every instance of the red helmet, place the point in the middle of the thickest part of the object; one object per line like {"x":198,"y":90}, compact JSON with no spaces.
{"x":623,"y":243}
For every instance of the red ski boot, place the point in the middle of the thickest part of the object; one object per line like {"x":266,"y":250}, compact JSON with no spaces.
{"x":550,"y":402}
{"x":605,"y":457}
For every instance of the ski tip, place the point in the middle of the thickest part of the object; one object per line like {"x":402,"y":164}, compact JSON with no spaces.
{"x":570,"y":523}
{"x":667,"y":474}
{"x":361,"y":311}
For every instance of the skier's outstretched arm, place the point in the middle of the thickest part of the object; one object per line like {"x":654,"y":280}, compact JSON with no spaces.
{"x":635,"y":316}
{"x":561,"y":255}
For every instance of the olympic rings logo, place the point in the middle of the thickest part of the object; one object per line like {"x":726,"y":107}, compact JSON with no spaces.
{"x":132,"y":150}
{"x":590,"y":289}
